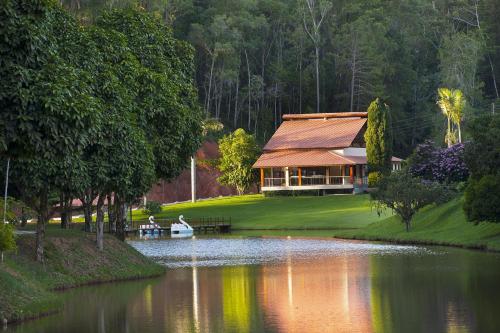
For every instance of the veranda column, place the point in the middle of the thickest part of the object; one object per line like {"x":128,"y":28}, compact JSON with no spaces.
{"x":300,"y":176}
{"x":261,"y":177}
{"x":327,"y":176}
{"x":287,"y":177}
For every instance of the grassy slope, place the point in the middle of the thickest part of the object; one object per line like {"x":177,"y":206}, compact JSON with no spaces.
{"x":258,"y":212}
{"x":444,"y":224}
{"x":71,"y":260}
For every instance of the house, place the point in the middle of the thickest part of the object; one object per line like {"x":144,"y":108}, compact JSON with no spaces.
{"x":322,"y":151}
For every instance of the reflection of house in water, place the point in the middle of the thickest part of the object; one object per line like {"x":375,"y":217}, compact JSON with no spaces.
{"x":321,"y":295}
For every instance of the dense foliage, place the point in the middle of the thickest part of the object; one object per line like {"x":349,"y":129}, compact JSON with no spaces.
{"x":7,"y":241}
{"x":378,"y":138}
{"x":451,"y":102}
{"x":406,"y":195}
{"x":255,"y":60}
{"x":95,"y":111}
{"x":482,"y":194}
{"x":238,"y":153}
{"x":152,"y":208}
{"x":444,"y":165}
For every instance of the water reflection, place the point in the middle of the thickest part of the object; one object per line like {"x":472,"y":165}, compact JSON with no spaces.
{"x":302,"y":289}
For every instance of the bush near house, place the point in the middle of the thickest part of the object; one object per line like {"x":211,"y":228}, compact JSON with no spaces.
{"x":482,"y":155}
{"x":444,"y":165}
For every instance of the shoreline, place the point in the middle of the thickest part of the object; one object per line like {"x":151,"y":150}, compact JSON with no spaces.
{"x":477,"y":247}
{"x":33,"y":290}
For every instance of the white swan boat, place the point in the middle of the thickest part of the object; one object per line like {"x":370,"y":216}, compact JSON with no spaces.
{"x":182,"y":229}
{"x":151,"y":228}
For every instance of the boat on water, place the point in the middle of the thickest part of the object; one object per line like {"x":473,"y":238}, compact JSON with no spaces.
{"x":151,"y":228}
{"x":181,"y":229}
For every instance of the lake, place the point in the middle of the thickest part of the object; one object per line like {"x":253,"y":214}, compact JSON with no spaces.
{"x":289,"y":284}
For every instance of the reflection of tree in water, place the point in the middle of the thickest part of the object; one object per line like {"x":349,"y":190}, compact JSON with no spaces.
{"x":435,"y":293}
{"x":240,"y":308}
{"x":102,"y":308}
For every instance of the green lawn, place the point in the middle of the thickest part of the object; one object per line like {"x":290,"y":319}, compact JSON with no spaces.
{"x":445,"y":224}
{"x":344,"y":216}
{"x":258,"y":212}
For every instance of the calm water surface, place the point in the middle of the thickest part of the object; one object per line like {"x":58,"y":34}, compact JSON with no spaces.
{"x":291,"y":285}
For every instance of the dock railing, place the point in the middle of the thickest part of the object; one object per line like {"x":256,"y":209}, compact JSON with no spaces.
{"x":196,"y":223}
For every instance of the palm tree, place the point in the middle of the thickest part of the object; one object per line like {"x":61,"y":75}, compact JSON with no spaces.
{"x":457,"y":111}
{"x":451,"y":102}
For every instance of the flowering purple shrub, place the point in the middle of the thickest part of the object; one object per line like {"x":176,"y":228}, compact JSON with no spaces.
{"x":444,"y":165}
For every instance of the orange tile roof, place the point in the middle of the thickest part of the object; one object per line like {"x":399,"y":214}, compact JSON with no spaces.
{"x":325,"y":115}
{"x":302,"y":158}
{"x":316,"y":133}
{"x":307,"y":158}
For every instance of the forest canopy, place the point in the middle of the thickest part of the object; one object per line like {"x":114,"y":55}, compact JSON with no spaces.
{"x":256,"y":59}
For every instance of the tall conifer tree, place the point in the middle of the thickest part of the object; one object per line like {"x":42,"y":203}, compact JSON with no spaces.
{"x":378,"y":137}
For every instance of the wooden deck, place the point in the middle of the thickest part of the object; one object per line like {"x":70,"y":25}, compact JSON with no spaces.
{"x":200,"y":225}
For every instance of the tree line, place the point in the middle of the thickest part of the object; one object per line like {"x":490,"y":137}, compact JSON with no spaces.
{"x":96,"y":112}
{"x":258,"y":59}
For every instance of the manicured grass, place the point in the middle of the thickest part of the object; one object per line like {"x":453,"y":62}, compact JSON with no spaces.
{"x":72,"y":259}
{"x":343,"y":216}
{"x":258,"y":212}
{"x":444,"y":225}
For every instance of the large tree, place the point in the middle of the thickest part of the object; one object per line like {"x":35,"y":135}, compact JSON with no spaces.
{"x":46,"y":96}
{"x":162,"y":99}
{"x":238,"y":153}
{"x":405,"y":195}
{"x":482,"y":156}
{"x":378,"y":137}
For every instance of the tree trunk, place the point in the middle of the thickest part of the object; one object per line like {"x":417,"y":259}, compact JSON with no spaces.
{"x":87,"y":199}
{"x":249,"y":89}
{"x":449,"y":132}
{"x":275,"y":113}
{"x":317,"y":78}
{"x":207,"y":111}
{"x":235,"y":121}
{"x":353,"y":77}
{"x":87,"y":212}
{"x":24,"y":220}
{"x":100,"y":223}
{"x":63,"y":212}
{"x":459,"y":133}
{"x":43,"y":217}
{"x":300,"y":77}
{"x":408,"y":225}
{"x":111,"y":214}
{"x":121,"y":217}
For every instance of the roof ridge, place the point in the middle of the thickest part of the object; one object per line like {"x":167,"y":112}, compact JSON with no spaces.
{"x":305,"y":116}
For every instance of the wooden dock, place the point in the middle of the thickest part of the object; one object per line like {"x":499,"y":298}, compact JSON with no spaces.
{"x":199,"y":225}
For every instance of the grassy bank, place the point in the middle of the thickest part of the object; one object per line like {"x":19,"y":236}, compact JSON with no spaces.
{"x":343,"y":216}
{"x":258,"y":212}
{"x":441,"y":225}
{"x":71,"y":260}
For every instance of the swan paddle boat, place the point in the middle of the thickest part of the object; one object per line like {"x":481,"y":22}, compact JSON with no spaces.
{"x":181,"y":229}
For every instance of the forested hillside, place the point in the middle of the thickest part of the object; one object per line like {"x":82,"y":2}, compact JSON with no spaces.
{"x":259,"y":59}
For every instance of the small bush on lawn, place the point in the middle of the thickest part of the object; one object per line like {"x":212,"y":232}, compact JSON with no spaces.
{"x":152,"y":208}
{"x":482,"y":199}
